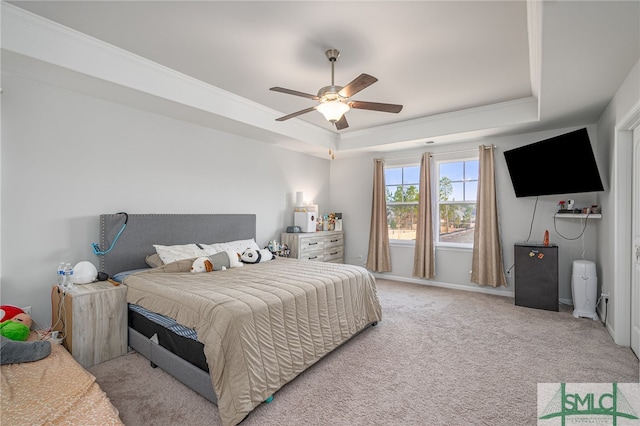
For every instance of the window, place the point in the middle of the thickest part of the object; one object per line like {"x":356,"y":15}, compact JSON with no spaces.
{"x":456,"y":205}
{"x":402,"y":188}
{"x":458,"y":187}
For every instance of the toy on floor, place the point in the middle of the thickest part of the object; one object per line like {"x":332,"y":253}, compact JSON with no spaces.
{"x":256,"y":256}
{"x":16,"y":324}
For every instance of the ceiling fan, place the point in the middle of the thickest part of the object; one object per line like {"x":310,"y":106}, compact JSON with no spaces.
{"x":334,"y":100}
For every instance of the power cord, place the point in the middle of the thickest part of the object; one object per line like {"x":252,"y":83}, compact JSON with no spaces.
{"x":555,"y":228}
{"x":50,"y":333}
{"x":533,"y":216}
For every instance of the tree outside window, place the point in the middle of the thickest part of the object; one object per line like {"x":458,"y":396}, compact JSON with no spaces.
{"x":456,"y":205}
{"x":402,"y":189}
{"x":458,"y":187}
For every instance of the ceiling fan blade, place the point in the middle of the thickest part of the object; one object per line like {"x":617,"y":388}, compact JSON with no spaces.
{"x":294,"y":92}
{"x":360,"y":82}
{"x":342,"y":123}
{"x":295,"y":114}
{"x":376,"y":106}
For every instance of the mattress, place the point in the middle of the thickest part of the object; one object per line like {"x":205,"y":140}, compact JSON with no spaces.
{"x":166,"y":332}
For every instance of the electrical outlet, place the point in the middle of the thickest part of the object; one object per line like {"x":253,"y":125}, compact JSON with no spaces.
{"x":27,"y":310}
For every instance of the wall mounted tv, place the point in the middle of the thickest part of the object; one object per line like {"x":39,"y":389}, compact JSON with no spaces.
{"x":563,"y":164}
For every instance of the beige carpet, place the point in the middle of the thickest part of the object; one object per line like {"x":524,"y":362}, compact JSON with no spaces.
{"x":439,"y":357}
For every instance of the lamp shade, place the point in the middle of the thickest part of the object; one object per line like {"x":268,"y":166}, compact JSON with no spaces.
{"x":333,"y":110}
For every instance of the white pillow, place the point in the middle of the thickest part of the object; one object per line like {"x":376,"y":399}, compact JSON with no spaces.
{"x":238,"y":246}
{"x":212,"y":249}
{"x":170,"y":254}
{"x":241,"y":245}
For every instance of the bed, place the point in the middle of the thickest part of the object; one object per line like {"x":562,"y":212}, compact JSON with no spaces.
{"x":54,"y":390}
{"x":257,"y":326}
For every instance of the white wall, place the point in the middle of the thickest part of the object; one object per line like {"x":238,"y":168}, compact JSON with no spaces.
{"x":614,"y":237}
{"x":351,"y":193}
{"x":67,"y":158}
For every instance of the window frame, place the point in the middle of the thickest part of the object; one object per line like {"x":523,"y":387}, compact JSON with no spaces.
{"x":467,"y":155}
{"x":459,"y":157}
{"x":389,"y":164}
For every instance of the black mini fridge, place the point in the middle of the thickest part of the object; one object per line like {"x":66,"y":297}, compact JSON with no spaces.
{"x":536,"y":277}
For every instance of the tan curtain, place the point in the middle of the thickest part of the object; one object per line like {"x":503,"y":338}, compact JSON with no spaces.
{"x":379,"y":256}
{"x":424,"y":265}
{"x":487,"y":266}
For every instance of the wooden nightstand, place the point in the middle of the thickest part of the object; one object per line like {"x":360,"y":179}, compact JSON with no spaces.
{"x":95,"y":317}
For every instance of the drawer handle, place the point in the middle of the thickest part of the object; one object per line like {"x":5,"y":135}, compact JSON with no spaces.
{"x":313,"y":244}
{"x":335,"y":252}
{"x":334,"y":241}
{"x":314,"y":257}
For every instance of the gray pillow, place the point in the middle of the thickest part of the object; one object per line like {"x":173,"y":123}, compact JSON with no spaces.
{"x":154,"y":260}
{"x":13,"y":351}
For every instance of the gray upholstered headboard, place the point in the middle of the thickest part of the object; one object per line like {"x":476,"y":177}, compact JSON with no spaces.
{"x":145,"y":230}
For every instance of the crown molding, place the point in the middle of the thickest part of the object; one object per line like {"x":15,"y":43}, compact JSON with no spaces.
{"x":100,"y":67}
{"x":34,"y":37}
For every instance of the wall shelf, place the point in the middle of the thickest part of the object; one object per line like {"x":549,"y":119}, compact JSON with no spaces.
{"x":578,"y":215}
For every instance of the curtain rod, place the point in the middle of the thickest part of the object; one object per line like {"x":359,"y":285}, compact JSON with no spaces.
{"x":441,"y":153}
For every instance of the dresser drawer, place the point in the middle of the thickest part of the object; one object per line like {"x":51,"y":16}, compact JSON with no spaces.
{"x":333,"y":254}
{"x":311,"y":244}
{"x":334,"y":241}
{"x":316,"y":256}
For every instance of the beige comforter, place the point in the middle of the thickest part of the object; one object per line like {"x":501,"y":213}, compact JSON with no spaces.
{"x":55,"y":390}
{"x":261,"y":324}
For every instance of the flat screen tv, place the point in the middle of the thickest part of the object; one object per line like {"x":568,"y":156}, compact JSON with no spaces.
{"x":563,"y":164}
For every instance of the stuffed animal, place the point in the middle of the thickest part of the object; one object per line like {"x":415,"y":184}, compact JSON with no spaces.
{"x":216,"y":262}
{"x":256,"y":256}
{"x":12,"y":352}
{"x":9,"y":311}
{"x":16,"y":328}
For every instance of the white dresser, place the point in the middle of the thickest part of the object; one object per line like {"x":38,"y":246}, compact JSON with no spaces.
{"x":321,"y":246}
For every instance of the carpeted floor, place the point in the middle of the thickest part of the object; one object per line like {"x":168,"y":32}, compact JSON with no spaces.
{"x":439,"y":357}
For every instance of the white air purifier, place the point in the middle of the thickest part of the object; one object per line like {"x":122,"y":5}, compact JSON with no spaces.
{"x":584,"y":289}
{"x":305,"y":220}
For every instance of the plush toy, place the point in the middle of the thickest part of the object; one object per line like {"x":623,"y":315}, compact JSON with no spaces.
{"x":9,"y":311}
{"x":216,"y":262}
{"x":12,"y":352}
{"x":16,"y":328}
{"x":256,"y":256}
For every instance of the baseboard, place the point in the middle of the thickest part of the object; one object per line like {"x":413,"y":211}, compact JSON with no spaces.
{"x":602,"y":321}
{"x":487,"y":290}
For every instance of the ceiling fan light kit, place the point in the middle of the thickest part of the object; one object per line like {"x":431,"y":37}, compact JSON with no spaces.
{"x":333,"y":110}
{"x":334,"y":100}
